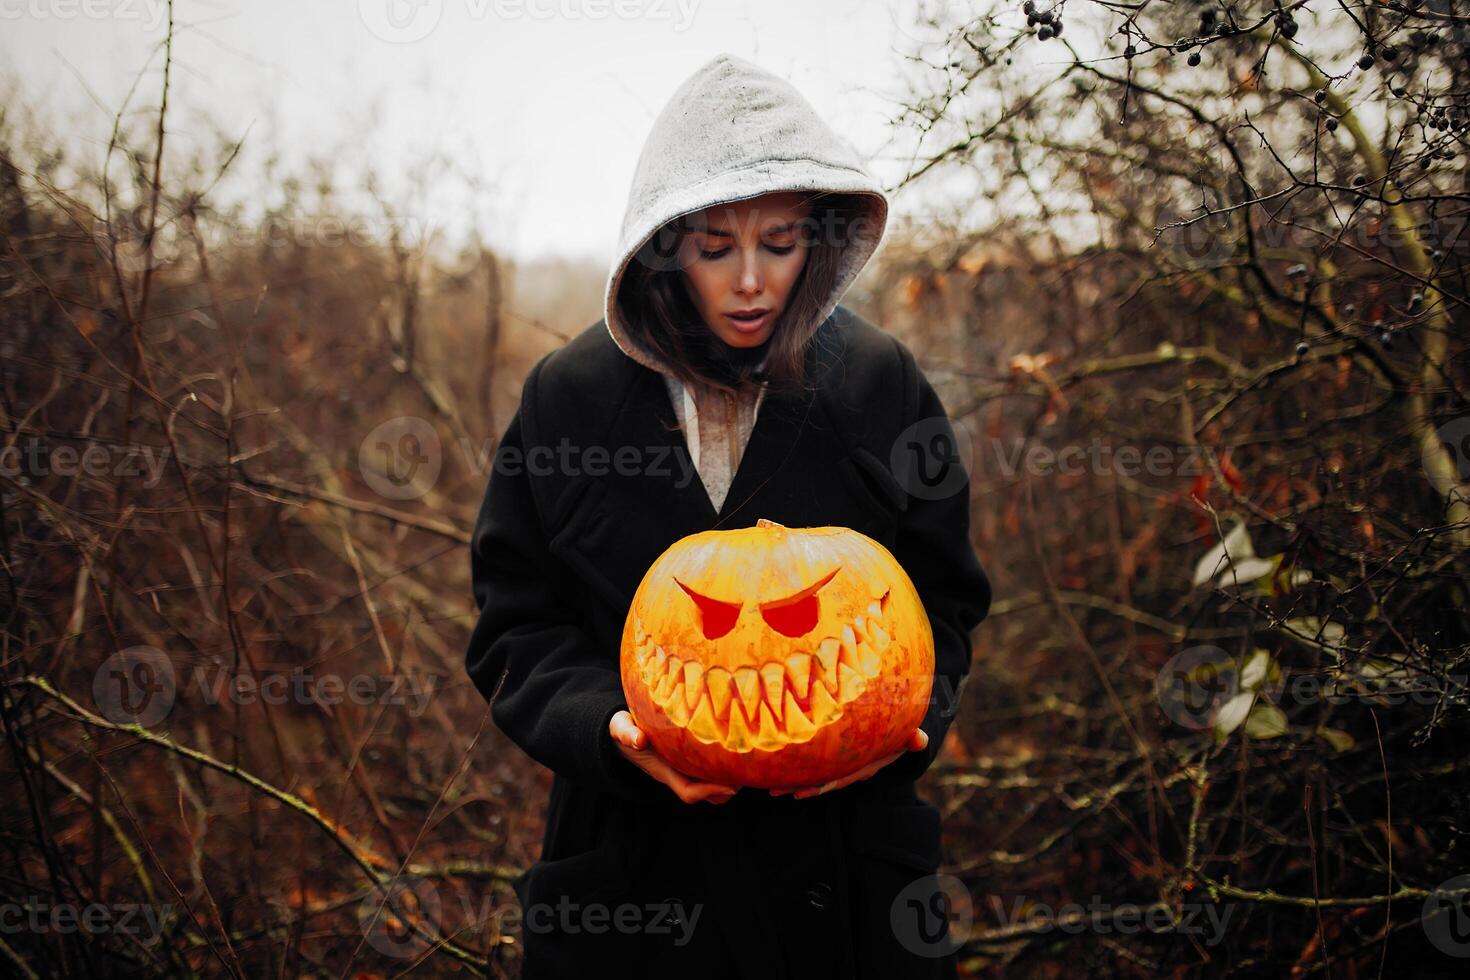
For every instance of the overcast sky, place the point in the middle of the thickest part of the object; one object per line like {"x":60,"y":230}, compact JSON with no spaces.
{"x":546,"y":102}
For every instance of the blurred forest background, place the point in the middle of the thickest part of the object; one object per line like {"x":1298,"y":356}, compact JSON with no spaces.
{"x":1207,"y":349}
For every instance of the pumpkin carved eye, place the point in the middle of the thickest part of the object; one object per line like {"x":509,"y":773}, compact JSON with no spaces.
{"x":716,"y":618}
{"x":796,"y":615}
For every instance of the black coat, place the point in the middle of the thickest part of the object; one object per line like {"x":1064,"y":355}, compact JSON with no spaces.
{"x":769,"y":887}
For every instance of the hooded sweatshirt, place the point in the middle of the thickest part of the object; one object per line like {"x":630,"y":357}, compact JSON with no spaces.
{"x":733,"y":131}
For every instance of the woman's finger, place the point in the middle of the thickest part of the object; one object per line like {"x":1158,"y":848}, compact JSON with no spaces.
{"x":827,"y":787}
{"x":626,"y":731}
{"x":694,"y":791}
{"x":809,"y":791}
{"x":631,"y":739}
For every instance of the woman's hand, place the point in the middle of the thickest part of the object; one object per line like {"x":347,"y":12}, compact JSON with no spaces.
{"x":918,"y":741}
{"x":633,"y":743}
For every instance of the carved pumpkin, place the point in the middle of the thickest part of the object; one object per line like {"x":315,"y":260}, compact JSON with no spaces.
{"x":776,"y":657}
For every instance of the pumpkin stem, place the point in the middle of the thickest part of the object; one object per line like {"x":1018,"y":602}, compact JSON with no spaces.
{"x":762,"y":522}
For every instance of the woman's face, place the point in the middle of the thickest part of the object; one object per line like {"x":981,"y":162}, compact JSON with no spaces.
{"x":744,"y":258}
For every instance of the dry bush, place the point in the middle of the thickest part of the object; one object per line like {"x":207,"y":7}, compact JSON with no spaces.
{"x":236,"y":607}
{"x":1149,"y":723}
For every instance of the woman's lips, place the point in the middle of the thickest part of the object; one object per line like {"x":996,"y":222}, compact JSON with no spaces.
{"x":748,"y":324}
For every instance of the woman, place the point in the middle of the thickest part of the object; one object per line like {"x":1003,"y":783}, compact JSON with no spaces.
{"x":724,"y":384}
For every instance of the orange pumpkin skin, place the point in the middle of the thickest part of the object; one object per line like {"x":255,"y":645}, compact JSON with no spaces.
{"x":776,"y":657}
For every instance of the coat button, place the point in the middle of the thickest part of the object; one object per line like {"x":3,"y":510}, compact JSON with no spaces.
{"x":819,"y":895}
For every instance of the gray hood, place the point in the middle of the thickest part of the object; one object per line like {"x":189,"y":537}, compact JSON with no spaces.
{"x":730,"y":132}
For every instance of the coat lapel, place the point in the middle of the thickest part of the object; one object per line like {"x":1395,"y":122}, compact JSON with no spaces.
{"x":775,"y":443}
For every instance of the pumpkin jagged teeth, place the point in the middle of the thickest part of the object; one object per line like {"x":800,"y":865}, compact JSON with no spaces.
{"x":880,"y":637}
{"x":826,"y":655}
{"x":869,"y":663}
{"x":676,"y":708}
{"x":674,"y":666}
{"x":721,"y":690}
{"x":850,"y":683}
{"x":849,"y":654}
{"x":693,"y":682}
{"x":773,"y":679}
{"x":798,"y":726}
{"x":656,"y":664}
{"x":748,"y":686}
{"x":823,"y":709}
{"x":860,"y":627}
{"x":662,"y":689}
{"x":737,"y":737}
{"x":768,"y":734}
{"x":799,"y":673}
{"x":875,"y":611}
{"x":703,"y":722}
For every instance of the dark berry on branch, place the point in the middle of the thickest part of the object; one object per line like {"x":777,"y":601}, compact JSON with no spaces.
{"x":1028,"y":7}
{"x":1056,"y":27}
{"x":1365,"y":62}
{"x":1320,"y":96}
{"x":1043,"y":32}
{"x":1331,"y":125}
{"x":1045,"y":16}
{"x":1386,"y":339}
{"x":1302,"y":348}
{"x":1193,"y":58}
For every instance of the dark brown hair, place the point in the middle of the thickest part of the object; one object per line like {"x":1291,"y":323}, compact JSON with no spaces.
{"x":659,"y":315}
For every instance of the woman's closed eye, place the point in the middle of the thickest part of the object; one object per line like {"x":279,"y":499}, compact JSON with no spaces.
{"x":773,"y":249}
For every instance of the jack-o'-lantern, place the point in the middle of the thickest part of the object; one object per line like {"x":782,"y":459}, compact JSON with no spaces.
{"x":776,"y":657}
